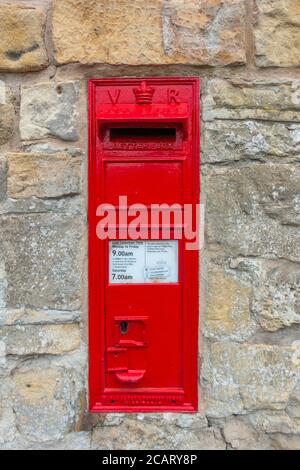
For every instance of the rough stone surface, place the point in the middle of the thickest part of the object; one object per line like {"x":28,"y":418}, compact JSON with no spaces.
{"x":148,"y":432}
{"x":37,"y":339}
{"x":275,"y":422}
{"x":277,"y":33}
{"x":157,"y":32}
{"x":227,"y":306}
{"x":277,"y":100}
{"x":70,"y":441}
{"x":277,"y":299}
{"x":259,"y":215}
{"x":49,"y":109}
{"x":284,"y":442}
{"x":43,"y":175}
{"x":293,"y":408}
{"x":28,"y":316}
{"x":241,"y":435}
{"x":7,"y":418}
{"x":249,"y":377}
{"x":45,"y":401}
{"x":233,"y":141}
{"x":7,"y":113}
{"x":3,"y":282}
{"x":43,"y":260}
{"x":22,"y":47}
{"x":3,"y":178}
{"x":274,"y":292}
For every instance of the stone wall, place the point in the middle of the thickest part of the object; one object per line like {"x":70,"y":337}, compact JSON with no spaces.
{"x":248,"y":55}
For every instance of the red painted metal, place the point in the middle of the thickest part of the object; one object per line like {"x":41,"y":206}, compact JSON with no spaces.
{"x":143,"y":143}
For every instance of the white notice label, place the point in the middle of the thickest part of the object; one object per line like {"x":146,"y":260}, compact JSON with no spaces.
{"x":141,"y":262}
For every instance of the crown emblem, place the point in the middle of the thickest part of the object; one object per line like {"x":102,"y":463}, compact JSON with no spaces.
{"x":143,"y":94}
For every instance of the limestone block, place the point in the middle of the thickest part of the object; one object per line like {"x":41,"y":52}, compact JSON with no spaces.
{"x":155,"y":434}
{"x":230,"y":141}
{"x":44,"y":401}
{"x":275,"y":422}
{"x":42,"y":260}
{"x":227,"y":306}
{"x":40,"y":339}
{"x":156,"y":32}
{"x":7,"y":113}
{"x":276,"y":302}
{"x":22,"y":47}
{"x":49,"y":109}
{"x":247,"y":377}
{"x":241,"y":435}
{"x":277,"y":33}
{"x":43,"y":175}
{"x":271,"y":100}
{"x":3,"y":178}
{"x":28,"y":316}
{"x":254,"y":210}
{"x":286,"y":441}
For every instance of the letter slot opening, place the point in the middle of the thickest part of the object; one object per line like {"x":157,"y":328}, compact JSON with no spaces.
{"x":143,"y":133}
{"x":147,"y":137}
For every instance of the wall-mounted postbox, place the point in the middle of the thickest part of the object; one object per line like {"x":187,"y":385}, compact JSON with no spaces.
{"x":143,"y":275}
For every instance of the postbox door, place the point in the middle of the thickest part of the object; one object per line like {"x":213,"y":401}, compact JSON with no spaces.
{"x":143,"y":291}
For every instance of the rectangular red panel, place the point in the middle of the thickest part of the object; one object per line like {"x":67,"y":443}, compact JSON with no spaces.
{"x":143,"y":292}
{"x":139,"y":181}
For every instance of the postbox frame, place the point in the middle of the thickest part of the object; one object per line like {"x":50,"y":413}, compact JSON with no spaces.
{"x":98,"y":262}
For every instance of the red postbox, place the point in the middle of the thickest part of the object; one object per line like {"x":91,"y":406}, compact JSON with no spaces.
{"x":143,"y":276}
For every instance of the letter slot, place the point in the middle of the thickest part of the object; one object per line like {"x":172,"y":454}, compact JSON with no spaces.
{"x":144,"y":137}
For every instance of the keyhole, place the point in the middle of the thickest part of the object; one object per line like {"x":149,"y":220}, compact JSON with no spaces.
{"x":124,"y":327}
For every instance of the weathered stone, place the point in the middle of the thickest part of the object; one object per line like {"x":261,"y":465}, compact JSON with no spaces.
{"x":275,"y":422}
{"x":194,"y":421}
{"x":50,"y":147}
{"x":275,"y":293}
{"x":28,"y":316}
{"x":256,"y":99}
{"x":277,"y":296}
{"x":277,"y":33}
{"x":191,"y":421}
{"x":44,"y":401}
{"x":49,"y":109}
{"x":113,"y":419}
{"x":7,"y":419}
{"x":74,"y":206}
{"x":227,"y":311}
{"x":254,"y":210}
{"x":229,"y":141}
{"x":249,"y":377}
{"x":241,"y":435}
{"x":22,"y":47}
{"x":69,"y":441}
{"x":43,"y":175}
{"x":40,"y":339}
{"x":3,"y":178}
{"x":43,"y":260}
{"x":7,"y":426}
{"x":157,"y":32}
{"x":286,"y":442}
{"x":155,"y":434}
{"x":7,"y":113}
{"x":3,"y":282}
{"x":293,"y":407}
{"x":212,"y":32}
{"x":2,"y":357}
